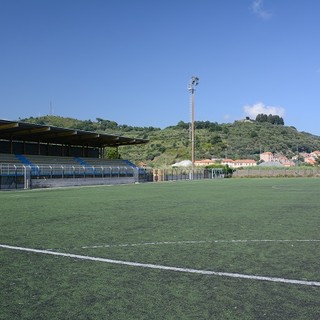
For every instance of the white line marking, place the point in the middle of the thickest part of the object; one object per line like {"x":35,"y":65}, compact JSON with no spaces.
{"x":167,"y":268}
{"x":293,"y":189}
{"x":189,"y":242}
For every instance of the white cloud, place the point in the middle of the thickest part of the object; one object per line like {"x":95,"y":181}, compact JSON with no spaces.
{"x":259,"y":108}
{"x":257,"y":8}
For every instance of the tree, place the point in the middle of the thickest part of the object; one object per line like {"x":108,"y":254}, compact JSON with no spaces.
{"x":112,"y":153}
{"x":182,"y":125}
{"x":262,"y":118}
{"x":273,"y":119}
{"x":216,"y":140}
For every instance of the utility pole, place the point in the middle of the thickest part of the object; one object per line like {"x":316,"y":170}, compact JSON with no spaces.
{"x":192,"y":87}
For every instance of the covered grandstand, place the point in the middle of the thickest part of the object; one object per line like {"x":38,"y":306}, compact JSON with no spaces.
{"x":34,"y":156}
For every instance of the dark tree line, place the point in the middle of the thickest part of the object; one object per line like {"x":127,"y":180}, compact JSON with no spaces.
{"x":212,"y":126}
{"x":273,"y":119}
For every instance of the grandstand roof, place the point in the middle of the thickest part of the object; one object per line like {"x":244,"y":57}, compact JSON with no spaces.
{"x":28,"y":132}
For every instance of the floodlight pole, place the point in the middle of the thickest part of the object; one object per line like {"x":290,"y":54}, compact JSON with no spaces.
{"x":192,"y":87}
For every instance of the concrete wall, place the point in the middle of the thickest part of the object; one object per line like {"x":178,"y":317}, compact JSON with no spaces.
{"x":260,"y":173}
{"x":54,"y":183}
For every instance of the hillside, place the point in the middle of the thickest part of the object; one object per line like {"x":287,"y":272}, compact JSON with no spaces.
{"x":241,"y":139}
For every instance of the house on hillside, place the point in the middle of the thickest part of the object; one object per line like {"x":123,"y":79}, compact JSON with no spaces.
{"x":267,"y":157}
{"x":244,"y":163}
{"x":239,"y":163}
{"x":227,"y":162}
{"x":315,"y":154}
{"x":310,"y":158}
{"x":270,"y":158}
{"x":204,"y":162}
{"x":285,"y":161}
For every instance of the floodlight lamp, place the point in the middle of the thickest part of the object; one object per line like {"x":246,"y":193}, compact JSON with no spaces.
{"x":195,"y":81}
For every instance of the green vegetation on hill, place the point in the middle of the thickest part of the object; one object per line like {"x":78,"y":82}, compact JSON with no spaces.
{"x":241,"y":139}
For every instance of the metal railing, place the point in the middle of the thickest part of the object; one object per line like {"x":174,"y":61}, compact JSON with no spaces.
{"x":14,"y":176}
{"x":72,"y":171}
{"x":187,"y":174}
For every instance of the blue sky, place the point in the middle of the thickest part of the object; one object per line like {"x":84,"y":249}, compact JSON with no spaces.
{"x":130,"y":61}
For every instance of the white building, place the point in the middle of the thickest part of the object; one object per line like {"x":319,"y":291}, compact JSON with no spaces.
{"x":239,"y":163}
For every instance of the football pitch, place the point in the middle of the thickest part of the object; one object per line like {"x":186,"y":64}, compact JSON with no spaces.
{"x":210,"y":249}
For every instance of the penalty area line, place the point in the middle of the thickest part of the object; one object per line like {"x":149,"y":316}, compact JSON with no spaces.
{"x":166,"y":268}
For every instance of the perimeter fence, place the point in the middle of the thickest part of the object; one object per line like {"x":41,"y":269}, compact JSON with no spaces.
{"x":175,"y":174}
{"x":38,"y":176}
{"x":24,"y":177}
{"x":277,"y":172}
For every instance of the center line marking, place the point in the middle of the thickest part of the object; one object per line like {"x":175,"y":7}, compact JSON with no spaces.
{"x":167,"y":268}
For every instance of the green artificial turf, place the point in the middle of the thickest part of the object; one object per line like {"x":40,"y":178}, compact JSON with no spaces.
{"x":196,"y":225}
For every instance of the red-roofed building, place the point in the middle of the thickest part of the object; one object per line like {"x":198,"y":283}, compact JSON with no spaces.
{"x":228,"y":162}
{"x":204,"y":162}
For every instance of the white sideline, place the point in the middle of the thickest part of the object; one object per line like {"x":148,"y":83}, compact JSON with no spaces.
{"x":194,"y":242}
{"x":160,"y":267}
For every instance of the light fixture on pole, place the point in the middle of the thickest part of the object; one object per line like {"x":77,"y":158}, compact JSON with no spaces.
{"x":192,"y":87}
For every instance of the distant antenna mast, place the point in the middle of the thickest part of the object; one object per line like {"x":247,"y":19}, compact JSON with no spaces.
{"x":51,"y":109}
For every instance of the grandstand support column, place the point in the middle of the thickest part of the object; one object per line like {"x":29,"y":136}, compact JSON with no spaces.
{"x":101,"y":152}
{"x":192,"y":87}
